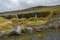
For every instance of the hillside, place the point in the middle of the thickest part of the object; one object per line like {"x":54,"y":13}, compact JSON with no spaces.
{"x":33,"y":10}
{"x":43,"y":8}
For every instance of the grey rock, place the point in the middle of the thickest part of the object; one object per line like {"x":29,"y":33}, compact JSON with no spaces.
{"x":29,"y":30}
{"x":55,"y":24}
{"x":40,"y":27}
{"x":37,"y":28}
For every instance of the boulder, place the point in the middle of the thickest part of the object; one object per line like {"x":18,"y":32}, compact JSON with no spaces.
{"x":29,"y":30}
{"x":37,"y":28}
{"x":54,"y":25}
{"x":51,"y":26}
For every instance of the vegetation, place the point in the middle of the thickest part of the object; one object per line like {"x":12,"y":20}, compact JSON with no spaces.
{"x":7,"y":25}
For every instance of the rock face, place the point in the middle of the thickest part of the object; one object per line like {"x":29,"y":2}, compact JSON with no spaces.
{"x":2,"y":33}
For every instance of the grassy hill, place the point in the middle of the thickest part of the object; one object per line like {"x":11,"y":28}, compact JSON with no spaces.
{"x":43,"y":9}
{"x":53,"y":9}
{"x":34,"y":10}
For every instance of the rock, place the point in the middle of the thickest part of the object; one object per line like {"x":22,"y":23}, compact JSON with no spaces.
{"x":40,"y":28}
{"x":44,"y":27}
{"x":2,"y":33}
{"x":15,"y":32}
{"x":29,"y":30}
{"x":37,"y":28}
{"x":51,"y":27}
{"x":55,"y":25}
{"x":23,"y":30}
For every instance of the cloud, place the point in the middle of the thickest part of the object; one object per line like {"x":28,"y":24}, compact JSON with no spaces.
{"x":8,"y":5}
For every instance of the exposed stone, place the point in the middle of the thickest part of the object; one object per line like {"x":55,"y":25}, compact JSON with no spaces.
{"x":52,"y":25}
{"x":40,"y":27}
{"x":29,"y":30}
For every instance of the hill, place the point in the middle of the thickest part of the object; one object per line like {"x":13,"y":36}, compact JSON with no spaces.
{"x":34,"y":10}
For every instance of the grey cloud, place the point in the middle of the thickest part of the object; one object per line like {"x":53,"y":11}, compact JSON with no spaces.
{"x":8,"y":5}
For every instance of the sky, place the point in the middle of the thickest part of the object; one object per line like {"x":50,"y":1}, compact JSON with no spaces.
{"x":10,"y":5}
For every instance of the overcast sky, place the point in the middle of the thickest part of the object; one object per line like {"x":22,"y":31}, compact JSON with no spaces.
{"x":8,"y":5}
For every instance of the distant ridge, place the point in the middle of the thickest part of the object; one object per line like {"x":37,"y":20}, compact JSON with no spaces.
{"x":34,"y":9}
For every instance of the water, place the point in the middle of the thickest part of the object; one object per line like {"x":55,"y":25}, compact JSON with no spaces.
{"x":51,"y":36}
{"x":18,"y":29}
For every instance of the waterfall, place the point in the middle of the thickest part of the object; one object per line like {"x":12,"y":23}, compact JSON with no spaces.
{"x":18,"y":30}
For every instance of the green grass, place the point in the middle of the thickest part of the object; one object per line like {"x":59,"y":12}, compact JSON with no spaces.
{"x":2,"y":19}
